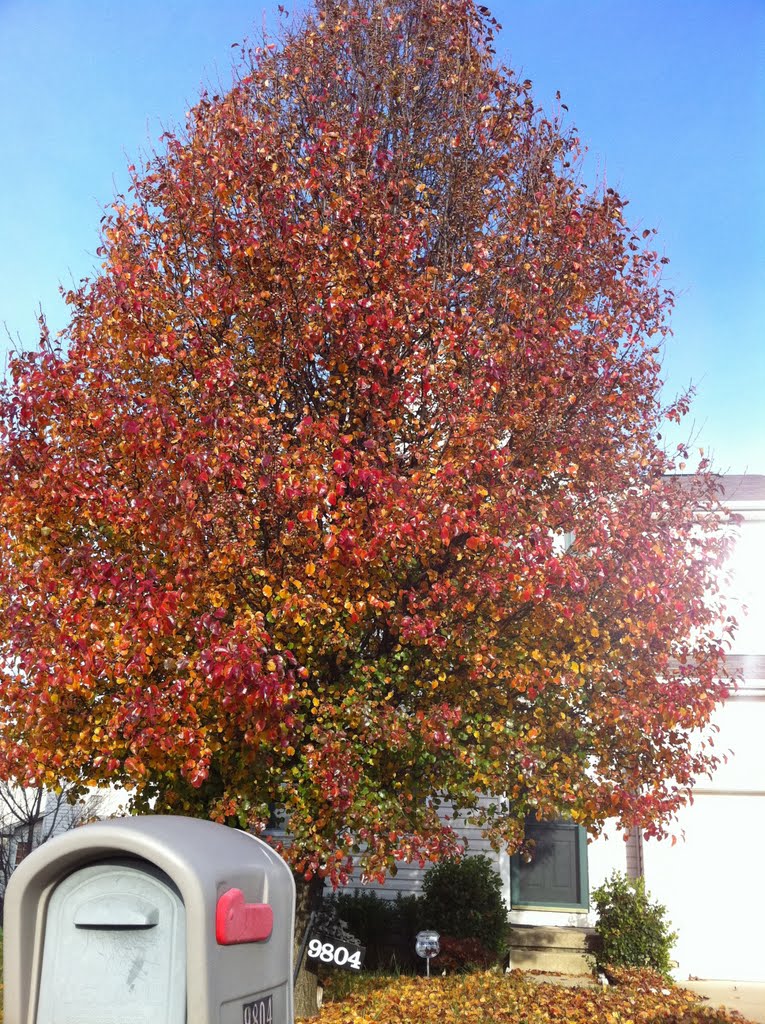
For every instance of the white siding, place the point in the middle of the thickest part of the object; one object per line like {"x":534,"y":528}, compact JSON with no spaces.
{"x":607,"y":853}
{"x":712,"y":879}
{"x":408,"y":878}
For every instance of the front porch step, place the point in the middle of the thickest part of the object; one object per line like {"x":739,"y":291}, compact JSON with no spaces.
{"x":562,"y":950}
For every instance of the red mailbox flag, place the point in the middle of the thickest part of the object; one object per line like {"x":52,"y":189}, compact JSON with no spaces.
{"x":237,"y":921}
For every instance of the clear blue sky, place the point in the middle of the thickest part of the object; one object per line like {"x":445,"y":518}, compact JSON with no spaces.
{"x":668,"y":94}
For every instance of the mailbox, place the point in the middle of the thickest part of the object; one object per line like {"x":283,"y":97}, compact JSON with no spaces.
{"x":150,"y":920}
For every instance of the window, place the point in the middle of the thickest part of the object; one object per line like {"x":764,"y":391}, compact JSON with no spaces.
{"x":23,"y":849}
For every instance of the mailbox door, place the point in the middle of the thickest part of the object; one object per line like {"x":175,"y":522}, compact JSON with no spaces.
{"x":114,"y":948}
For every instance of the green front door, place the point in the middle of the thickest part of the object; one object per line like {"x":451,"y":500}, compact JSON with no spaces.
{"x":556,"y":876}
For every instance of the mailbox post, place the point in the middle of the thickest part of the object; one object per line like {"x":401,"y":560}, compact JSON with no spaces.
{"x":150,"y":920}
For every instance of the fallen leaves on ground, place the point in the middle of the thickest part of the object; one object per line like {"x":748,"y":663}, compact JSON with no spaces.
{"x":491,"y":998}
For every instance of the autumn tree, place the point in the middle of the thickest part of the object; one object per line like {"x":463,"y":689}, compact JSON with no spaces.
{"x":343,"y":490}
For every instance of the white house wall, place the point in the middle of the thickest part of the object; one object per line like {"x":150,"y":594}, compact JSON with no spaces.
{"x":409,"y":876}
{"x":607,"y":853}
{"x":712,"y":880}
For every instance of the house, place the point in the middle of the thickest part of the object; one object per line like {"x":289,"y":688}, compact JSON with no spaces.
{"x":30,"y":816}
{"x":711,"y":880}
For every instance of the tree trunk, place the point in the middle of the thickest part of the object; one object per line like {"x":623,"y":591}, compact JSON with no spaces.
{"x":307,"y":899}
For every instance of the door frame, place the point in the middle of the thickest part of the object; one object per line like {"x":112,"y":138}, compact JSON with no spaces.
{"x":583,"y":904}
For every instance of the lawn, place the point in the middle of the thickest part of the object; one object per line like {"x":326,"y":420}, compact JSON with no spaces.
{"x":490,"y":998}
{"x":494,"y":998}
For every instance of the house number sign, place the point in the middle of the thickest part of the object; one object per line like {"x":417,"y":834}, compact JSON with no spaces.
{"x":336,"y":953}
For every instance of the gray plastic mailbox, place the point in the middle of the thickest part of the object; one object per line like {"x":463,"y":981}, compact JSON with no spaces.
{"x":150,"y":920}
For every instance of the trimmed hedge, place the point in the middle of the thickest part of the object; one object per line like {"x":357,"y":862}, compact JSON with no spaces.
{"x":462,"y":900}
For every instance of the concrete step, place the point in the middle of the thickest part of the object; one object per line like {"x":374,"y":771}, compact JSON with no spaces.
{"x":538,"y":937}
{"x":562,"y":950}
{"x":555,"y":960}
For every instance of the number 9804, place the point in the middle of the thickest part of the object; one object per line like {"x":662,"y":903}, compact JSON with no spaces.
{"x":329,"y":953}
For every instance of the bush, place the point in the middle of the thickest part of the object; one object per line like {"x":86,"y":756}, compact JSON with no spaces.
{"x":633,"y":931}
{"x":370,"y":918}
{"x":377,"y":925}
{"x":329,"y":921}
{"x":462,"y":955}
{"x":410,"y":918}
{"x":463,"y":900}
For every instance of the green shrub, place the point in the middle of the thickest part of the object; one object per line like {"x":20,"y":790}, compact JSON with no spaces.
{"x":463,"y":899}
{"x":368,"y":917}
{"x":329,"y":921}
{"x":633,"y":931}
{"x":375,"y":923}
{"x":409,"y":918}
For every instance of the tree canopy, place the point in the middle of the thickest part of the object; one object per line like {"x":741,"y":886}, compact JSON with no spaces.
{"x":343,"y":490}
